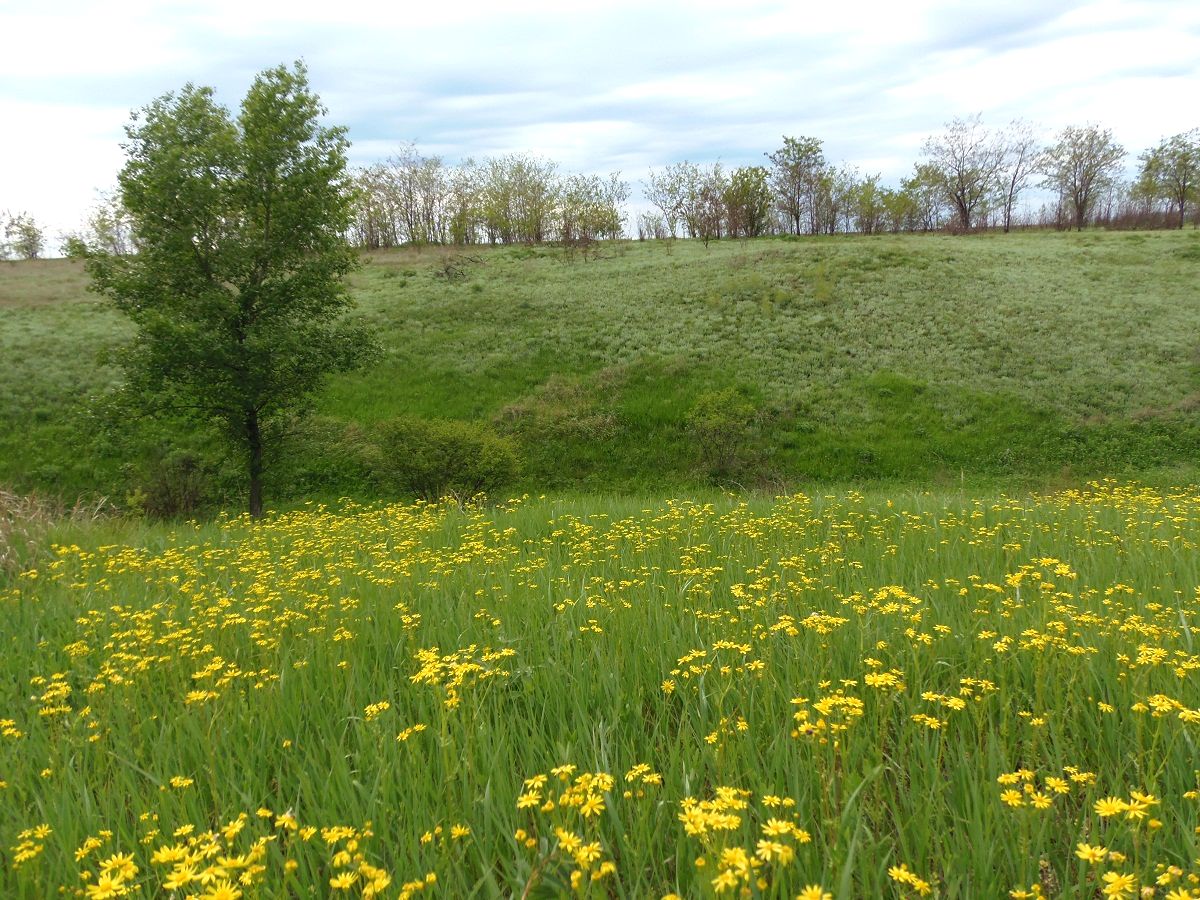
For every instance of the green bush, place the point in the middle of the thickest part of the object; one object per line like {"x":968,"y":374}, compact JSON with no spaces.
{"x":170,"y":484}
{"x":434,"y":458}
{"x":319,"y":456}
{"x":724,"y":426}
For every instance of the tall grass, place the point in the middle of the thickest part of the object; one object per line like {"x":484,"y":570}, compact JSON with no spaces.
{"x":628,"y":698}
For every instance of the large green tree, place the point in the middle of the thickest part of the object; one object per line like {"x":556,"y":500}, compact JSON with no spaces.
{"x":237,"y":291}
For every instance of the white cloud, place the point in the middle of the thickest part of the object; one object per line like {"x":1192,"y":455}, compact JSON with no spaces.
{"x":623,"y":85}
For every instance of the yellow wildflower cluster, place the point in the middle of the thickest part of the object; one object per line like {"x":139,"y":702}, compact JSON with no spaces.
{"x":721,"y":825}
{"x":565,"y":809}
{"x":452,"y":672}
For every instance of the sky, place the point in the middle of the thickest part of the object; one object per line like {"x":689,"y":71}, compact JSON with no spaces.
{"x":616,"y":85}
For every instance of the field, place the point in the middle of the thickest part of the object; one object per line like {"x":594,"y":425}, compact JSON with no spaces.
{"x":1046,"y":358}
{"x":865,"y":695}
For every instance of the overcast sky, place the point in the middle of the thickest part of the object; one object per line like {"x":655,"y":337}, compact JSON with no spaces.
{"x":598,"y":87}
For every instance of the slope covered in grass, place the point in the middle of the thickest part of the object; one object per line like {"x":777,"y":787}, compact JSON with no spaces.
{"x":906,"y":357}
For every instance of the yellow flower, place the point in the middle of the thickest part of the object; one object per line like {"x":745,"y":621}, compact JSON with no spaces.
{"x":528,"y":799}
{"x":592,"y":806}
{"x":1110,"y":806}
{"x":1089,"y":853}
{"x":814,"y":892}
{"x":724,"y":881}
{"x":106,"y":887}
{"x":184,"y":874}
{"x":344,"y":881}
{"x":1118,"y":884}
{"x":121,"y":865}
{"x":1013,"y":798}
{"x":221,"y":891}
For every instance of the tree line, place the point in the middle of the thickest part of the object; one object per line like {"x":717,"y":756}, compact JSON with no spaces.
{"x":969,"y":178}
{"x":518,"y":198}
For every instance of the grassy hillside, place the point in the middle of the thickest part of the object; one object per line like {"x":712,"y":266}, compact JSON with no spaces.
{"x":901,"y":358}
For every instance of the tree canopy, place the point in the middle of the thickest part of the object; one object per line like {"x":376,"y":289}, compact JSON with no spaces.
{"x":237,"y":288}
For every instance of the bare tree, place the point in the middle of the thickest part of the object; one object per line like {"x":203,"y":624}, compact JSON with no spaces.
{"x":651,"y":225}
{"x":964,"y":160}
{"x":674,"y":191}
{"x":1083,"y":164}
{"x":1020,"y":158}
{"x":705,"y":209}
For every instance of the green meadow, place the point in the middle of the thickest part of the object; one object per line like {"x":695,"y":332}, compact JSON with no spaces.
{"x":882,"y":694}
{"x":1046,"y":358}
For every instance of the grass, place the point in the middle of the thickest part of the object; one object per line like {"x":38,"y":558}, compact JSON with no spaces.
{"x":890,"y":358}
{"x":899,"y":693}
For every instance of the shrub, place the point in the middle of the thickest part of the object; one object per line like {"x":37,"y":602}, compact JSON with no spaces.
{"x":723,"y":425}
{"x":320,"y":456}
{"x":170,"y":484}
{"x":434,"y":458}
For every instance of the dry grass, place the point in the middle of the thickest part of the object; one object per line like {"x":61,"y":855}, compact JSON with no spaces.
{"x":42,"y":282}
{"x":26,"y":520}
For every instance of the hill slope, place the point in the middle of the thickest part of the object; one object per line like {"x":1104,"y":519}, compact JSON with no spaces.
{"x":906,"y":357}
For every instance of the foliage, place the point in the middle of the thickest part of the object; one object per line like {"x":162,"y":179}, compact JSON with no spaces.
{"x":722,"y":424}
{"x":518,"y":198}
{"x":23,"y":237}
{"x":172,"y":483}
{"x":1080,"y":165}
{"x":800,"y":178}
{"x":109,"y":230}
{"x":439,"y":457}
{"x":748,"y":202}
{"x":1171,"y":172}
{"x":236,"y":292}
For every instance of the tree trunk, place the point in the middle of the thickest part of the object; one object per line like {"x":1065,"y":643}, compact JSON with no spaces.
{"x":255,"y":451}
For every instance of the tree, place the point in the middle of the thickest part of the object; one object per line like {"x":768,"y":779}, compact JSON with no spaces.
{"x":590,"y":209}
{"x":1019,"y":160}
{"x":964,"y":160}
{"x":705,"y":210}
{"x":670,"y":190}
{"x":1171,"y":172}
{"x":800,"y":178}
{"x":748,"y":202}
{"x":870,"y":205}
{"x":23,"y":238}
{"x":928,"y":206}
{"x":237,"y":290}
{"x":1084,"y":163}
{"x":108,"y":229}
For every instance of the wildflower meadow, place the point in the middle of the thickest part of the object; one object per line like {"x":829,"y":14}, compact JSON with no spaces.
{"x":853,"y":695}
